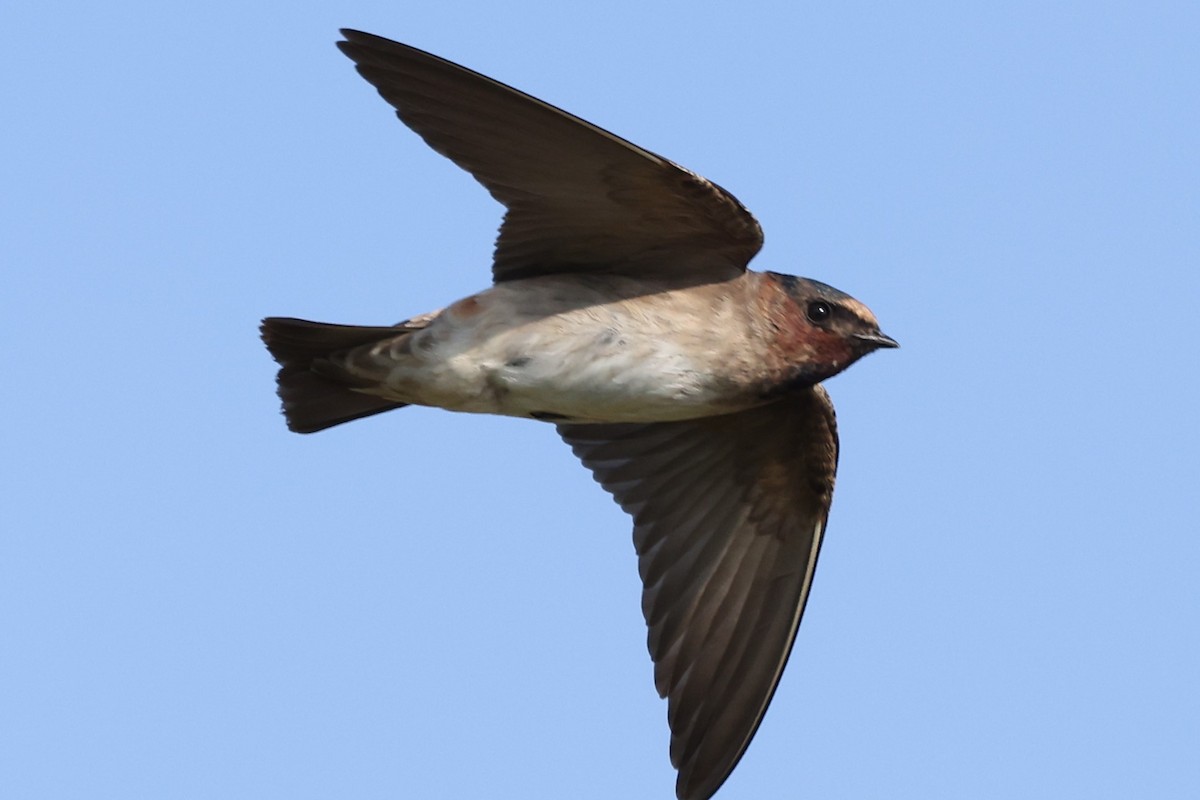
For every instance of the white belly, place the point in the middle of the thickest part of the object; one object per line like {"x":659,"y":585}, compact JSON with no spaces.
{"x":509,"y":351}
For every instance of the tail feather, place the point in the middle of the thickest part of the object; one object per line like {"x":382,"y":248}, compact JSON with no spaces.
{"x":313,"y":402}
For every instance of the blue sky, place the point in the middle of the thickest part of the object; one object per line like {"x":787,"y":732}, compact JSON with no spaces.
{"x":195,"y":603}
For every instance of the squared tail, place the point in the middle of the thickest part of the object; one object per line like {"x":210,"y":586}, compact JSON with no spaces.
{"x":312,"y":402}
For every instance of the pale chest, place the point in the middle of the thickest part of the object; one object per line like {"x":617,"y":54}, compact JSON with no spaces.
{"x":647,"y":358}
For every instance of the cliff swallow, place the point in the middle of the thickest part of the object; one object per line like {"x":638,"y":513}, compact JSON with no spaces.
{"x":623,"y":312}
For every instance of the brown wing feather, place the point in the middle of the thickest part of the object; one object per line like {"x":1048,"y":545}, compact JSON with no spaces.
{"x":579,"y":198}
{"x":728,"y":517}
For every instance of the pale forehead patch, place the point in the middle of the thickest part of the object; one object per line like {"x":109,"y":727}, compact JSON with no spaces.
{"x":827,"y":292}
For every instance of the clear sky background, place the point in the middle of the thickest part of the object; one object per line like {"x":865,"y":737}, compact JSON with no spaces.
{"x":195,"y":603}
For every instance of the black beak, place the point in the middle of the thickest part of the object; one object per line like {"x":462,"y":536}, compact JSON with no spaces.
{"x":876,"y":340}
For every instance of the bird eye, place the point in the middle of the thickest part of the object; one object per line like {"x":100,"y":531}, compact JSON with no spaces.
{"x":818,"y":311}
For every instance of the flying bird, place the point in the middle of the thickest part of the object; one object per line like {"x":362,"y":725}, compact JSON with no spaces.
{"x":622,"y":311}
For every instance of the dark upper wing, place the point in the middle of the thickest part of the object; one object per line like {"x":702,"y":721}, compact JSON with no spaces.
{"x":728,"y":517}
{"x":579,"y":198}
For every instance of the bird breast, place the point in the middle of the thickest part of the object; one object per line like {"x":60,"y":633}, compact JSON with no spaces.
{"x":594,"y":349}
